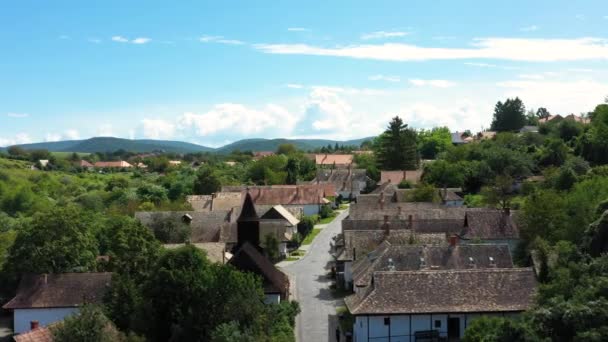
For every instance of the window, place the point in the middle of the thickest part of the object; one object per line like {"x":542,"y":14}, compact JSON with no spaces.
{"x":387,"y":321}
{"x":437,"y":324}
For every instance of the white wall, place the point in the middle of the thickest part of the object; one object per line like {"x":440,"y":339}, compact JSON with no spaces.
{"x":348,"y":274}
{"x":23,"y":317}
{"x":403,"y":327}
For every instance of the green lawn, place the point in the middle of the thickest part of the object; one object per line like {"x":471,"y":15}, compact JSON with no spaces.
{"x":311,"y":236}
{"x":326,"y":220}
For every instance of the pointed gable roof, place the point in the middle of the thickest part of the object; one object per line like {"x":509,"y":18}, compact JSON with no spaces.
{"x":249,"y":259}
{"x":248,"y":212}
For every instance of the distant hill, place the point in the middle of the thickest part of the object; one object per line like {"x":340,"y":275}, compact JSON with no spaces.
{"x":108,"y":144}
{"x":273,"y":144}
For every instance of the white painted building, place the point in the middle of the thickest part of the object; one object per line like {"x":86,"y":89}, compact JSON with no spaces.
{"x":405,"y":306}
{"x":49,"y":298}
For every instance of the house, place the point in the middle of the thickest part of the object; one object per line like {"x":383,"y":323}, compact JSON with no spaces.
{"x":262,"y":154}
{"x":450,"y":198}
{"x":215,"y":251}
{"x":113,"y":164}
{"x":204,"y":226}
{"x":458,"y":138}
{"x":437,"y":304}
{"x":487,"y":135}
{"x":200,"y":202}
{"x":334,"y":160}
{"x":307,"y":198}
{"x":348,"y":183}
{"x":491,"y":226}
{"x":49,"y":298}
{"x":529,"y":129}
{"x":248,"y":255}
{"x":85,"y":165}
{"x":390,"y":257}
{"x":396,"y":177}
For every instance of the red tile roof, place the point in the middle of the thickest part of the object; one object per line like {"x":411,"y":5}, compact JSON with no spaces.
{"x":331,"y":159}
{"x":112,"y":164}
{"x":395,"y":177}
{"x":42,"y":334}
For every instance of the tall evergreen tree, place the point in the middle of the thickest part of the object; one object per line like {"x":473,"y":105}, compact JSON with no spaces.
{"x":509,"y":116}
{"x":397,"y":147}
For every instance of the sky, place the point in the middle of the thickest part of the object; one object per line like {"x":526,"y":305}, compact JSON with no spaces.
{"x":212,"y":72}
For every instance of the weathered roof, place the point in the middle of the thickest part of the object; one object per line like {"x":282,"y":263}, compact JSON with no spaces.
{"x":200,"y":202}
{"x":288,"y":196}
{"x":353,"y":180}
{"x":358,"y":243}
{"x":60,"y":290}
{"x":408,"y":258}
{"x":249,"y":259}
{"x":279,"y":212}
{"x":229,"y":232}
{"x":226,"y":200}
{"x":215,"y":251}
{"x":425,"y":226}
{"x":490,"y":224}
{"x":84,"y":163}
{"x":446,"y":291}
{"x":205,"y":226}
{"x":396,"y":177}
{"x":120,"y":163}
{"x":330,"y":159}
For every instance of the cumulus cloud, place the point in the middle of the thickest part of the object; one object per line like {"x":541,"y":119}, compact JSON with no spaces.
{"x":234,"y":118}
{"x":120,"y":39}
{"x":157,"y":129}
{"x":17,"y":115}
{"x":220,"y":40}
{"x":387,"y":78}
{"x":383,"y":35}
{"x":515,"y":49}
{"x":19,"y":138}
{"x":432,"y":83}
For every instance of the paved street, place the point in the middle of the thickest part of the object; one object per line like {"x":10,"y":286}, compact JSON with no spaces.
{"x":317,"y":321}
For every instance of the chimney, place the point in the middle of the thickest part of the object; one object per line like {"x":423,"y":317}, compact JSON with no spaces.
{"x":454,"y":240}
{"x":46,"y":279}
{"x":34,"y":325}
{"x":343,"y":185}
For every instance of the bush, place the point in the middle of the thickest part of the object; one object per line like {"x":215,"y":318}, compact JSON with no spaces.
{"x":326,"y":211}
{"x":307,"y":223}
{"x":404,"y":185}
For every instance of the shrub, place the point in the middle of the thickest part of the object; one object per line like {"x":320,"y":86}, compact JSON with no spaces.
{"x":326,"y":211}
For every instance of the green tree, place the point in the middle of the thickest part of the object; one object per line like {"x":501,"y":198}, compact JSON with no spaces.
{"x":433,"y":142}
{"x":397,"y":147}
{"x":509,"y":116}
{"x":554,"y":152}
{"x":542,"y":113}
{"x":271,"y":247}
{"x":443,"y":174}
{"x":594,"y":142}
{"x":88,"y":325}
{"x":59,"y":240}
{"x":207,"y":182}
{"x":500,"y":193}
{"x":596,"y":236}
{"x":286,"y":149}
{"x":293,"y":170}
{"x":423,"y":193}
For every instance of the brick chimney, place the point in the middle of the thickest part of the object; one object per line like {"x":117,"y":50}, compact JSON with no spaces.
{"x":454,"y":240}
{"x":34,"y":325}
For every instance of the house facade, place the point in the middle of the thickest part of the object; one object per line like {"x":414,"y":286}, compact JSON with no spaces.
{"x":410,"y":306}
{"x":49,"y":298}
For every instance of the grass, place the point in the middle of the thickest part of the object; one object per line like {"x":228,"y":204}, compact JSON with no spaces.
{"x":292,"y":258}
{"x":311,"y":236}
{"x":327,"y":220}
{"x":343,"y":206}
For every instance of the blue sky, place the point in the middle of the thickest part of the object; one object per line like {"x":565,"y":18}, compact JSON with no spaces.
{"x":215,"y":72}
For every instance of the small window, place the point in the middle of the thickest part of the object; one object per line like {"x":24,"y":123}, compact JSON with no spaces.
{"x":387,"y":321}
{"x":437,"y":324}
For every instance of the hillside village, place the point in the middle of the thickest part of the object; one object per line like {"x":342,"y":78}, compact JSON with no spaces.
{"x":413,"y":235}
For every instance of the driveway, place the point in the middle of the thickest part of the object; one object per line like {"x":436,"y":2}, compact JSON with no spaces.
{"x":317,"y":322}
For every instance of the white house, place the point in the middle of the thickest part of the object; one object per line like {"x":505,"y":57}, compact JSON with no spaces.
{"x":49,"y":298}
{"x":407,"y":306}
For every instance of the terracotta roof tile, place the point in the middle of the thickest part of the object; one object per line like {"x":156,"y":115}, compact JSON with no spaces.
{"x":331,"y":159}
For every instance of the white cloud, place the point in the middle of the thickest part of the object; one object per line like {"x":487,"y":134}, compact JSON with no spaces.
{"x":564,"y":96}
{"x":157,"y":129}
{"x":52,"y":137}
{"x":120,"y":39}
{"x":383,"y":35}
{"x":432,"y":83}
{"x":19,"y":138}
{"x":234,"y":118}
{"x":326,"y":110}
{"x":515,"y":49}
{"x":531,"y":76}
{"x":294,"y":86}
{"x":141,"y":40}
{"x":71,"y":134}
{"x":94,"y":40}
{"x":298,"y":29}
{"x":220,"y":40}
{"x":387,"y":78}
{"x":105,"y":130}
{"x":17,"y":115}
{"x":530,"y":28}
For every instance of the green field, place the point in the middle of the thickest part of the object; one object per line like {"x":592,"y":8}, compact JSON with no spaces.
{"x":67,"y":154}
